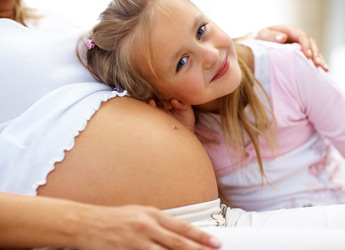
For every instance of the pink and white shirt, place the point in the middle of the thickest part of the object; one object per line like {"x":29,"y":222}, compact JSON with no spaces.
{"x":305,"y":170}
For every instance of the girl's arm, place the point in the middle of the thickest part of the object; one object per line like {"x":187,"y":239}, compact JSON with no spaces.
{"x":324,"y":102}
{"x":321,"y":100}
{"x":278,"y":34}
{"x":46,"y":222}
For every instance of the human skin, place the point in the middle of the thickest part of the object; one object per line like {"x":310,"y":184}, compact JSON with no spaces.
{"x":187,"y":37}
{"x":188,"y":50}
{"x":87,"y":196}
{"x":43,"y":220}
{"x":166,"y":159}
{"x":195,"y":62}
{"x":40,"y":222}
{"x":291,"y":34}
{"x":131,"y":153}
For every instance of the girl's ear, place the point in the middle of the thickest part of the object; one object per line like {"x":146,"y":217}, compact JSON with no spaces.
{"x":166,"y":105}
{"x":163,"y":104}
{"x":177,"y":104}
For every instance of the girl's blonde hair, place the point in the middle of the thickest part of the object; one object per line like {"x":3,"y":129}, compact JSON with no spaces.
{"x":111,"y":62}
{"x":235,"y":122}
{"x":22,"y":13}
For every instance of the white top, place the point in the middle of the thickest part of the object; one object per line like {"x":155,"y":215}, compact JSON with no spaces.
{"x":305,"y":170}
{"x":46,"y":99}
{"x":35,"y":61}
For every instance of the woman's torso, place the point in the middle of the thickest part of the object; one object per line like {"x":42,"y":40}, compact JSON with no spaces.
{"x":50,"y":127}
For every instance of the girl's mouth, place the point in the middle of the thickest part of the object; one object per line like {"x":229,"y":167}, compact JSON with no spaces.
{"x":222,"y":70}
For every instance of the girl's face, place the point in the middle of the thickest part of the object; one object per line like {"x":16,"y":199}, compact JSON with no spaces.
{"x":194,"y":60}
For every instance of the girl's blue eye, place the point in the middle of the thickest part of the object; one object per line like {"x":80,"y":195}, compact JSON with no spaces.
{"x":201,"y":31}
{"x":181,"y":63}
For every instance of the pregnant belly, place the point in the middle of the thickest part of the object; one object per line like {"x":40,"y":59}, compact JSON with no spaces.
{"x":130,"y":153}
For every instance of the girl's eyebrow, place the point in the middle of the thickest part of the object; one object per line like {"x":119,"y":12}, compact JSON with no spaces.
{"x":195,"y":25}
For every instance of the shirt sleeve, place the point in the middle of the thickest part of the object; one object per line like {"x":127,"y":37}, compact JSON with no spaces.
{"x":322,"y":99}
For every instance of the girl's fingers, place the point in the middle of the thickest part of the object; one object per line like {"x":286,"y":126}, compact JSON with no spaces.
{"x":155,"y":247}
{"x":152,"y":103}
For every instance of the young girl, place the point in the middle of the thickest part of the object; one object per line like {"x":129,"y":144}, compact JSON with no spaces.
{"x":263,"y":110}
{"x":51,"y":93}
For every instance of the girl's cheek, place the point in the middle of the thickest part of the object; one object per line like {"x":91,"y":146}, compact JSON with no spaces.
{"x":195,"y":86}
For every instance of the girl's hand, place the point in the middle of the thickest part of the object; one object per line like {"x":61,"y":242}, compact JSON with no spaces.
{"x":292,"y":34}
{"x":182,"y":112}
{"x":139,"y":227}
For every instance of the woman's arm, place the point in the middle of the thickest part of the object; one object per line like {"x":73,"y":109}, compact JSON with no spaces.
{"x":33,"y":221}
{"x":291,"y":34}
{"x":41,"y":222}
{"x":131,"y":153}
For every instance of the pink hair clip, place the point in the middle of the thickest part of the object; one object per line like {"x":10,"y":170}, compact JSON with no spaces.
{"x":90,"y":44}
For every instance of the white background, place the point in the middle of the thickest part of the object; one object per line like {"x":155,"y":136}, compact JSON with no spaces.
{"x":322,"y":19}
{"x":233,"y":16}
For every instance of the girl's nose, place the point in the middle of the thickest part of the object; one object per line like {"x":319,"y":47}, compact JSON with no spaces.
{"x":209,"y":55}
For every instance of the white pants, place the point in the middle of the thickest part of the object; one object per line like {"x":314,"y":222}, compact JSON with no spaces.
{"x":314,"y":228}
{"x":311,"y":228}
{"x":279,"y":238}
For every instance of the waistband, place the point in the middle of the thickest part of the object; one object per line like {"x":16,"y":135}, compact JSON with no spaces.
{"x":211,"y":213}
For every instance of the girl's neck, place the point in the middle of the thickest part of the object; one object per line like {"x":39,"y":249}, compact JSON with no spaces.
{"x":212,"y":106}
{"x":7,"y":9}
